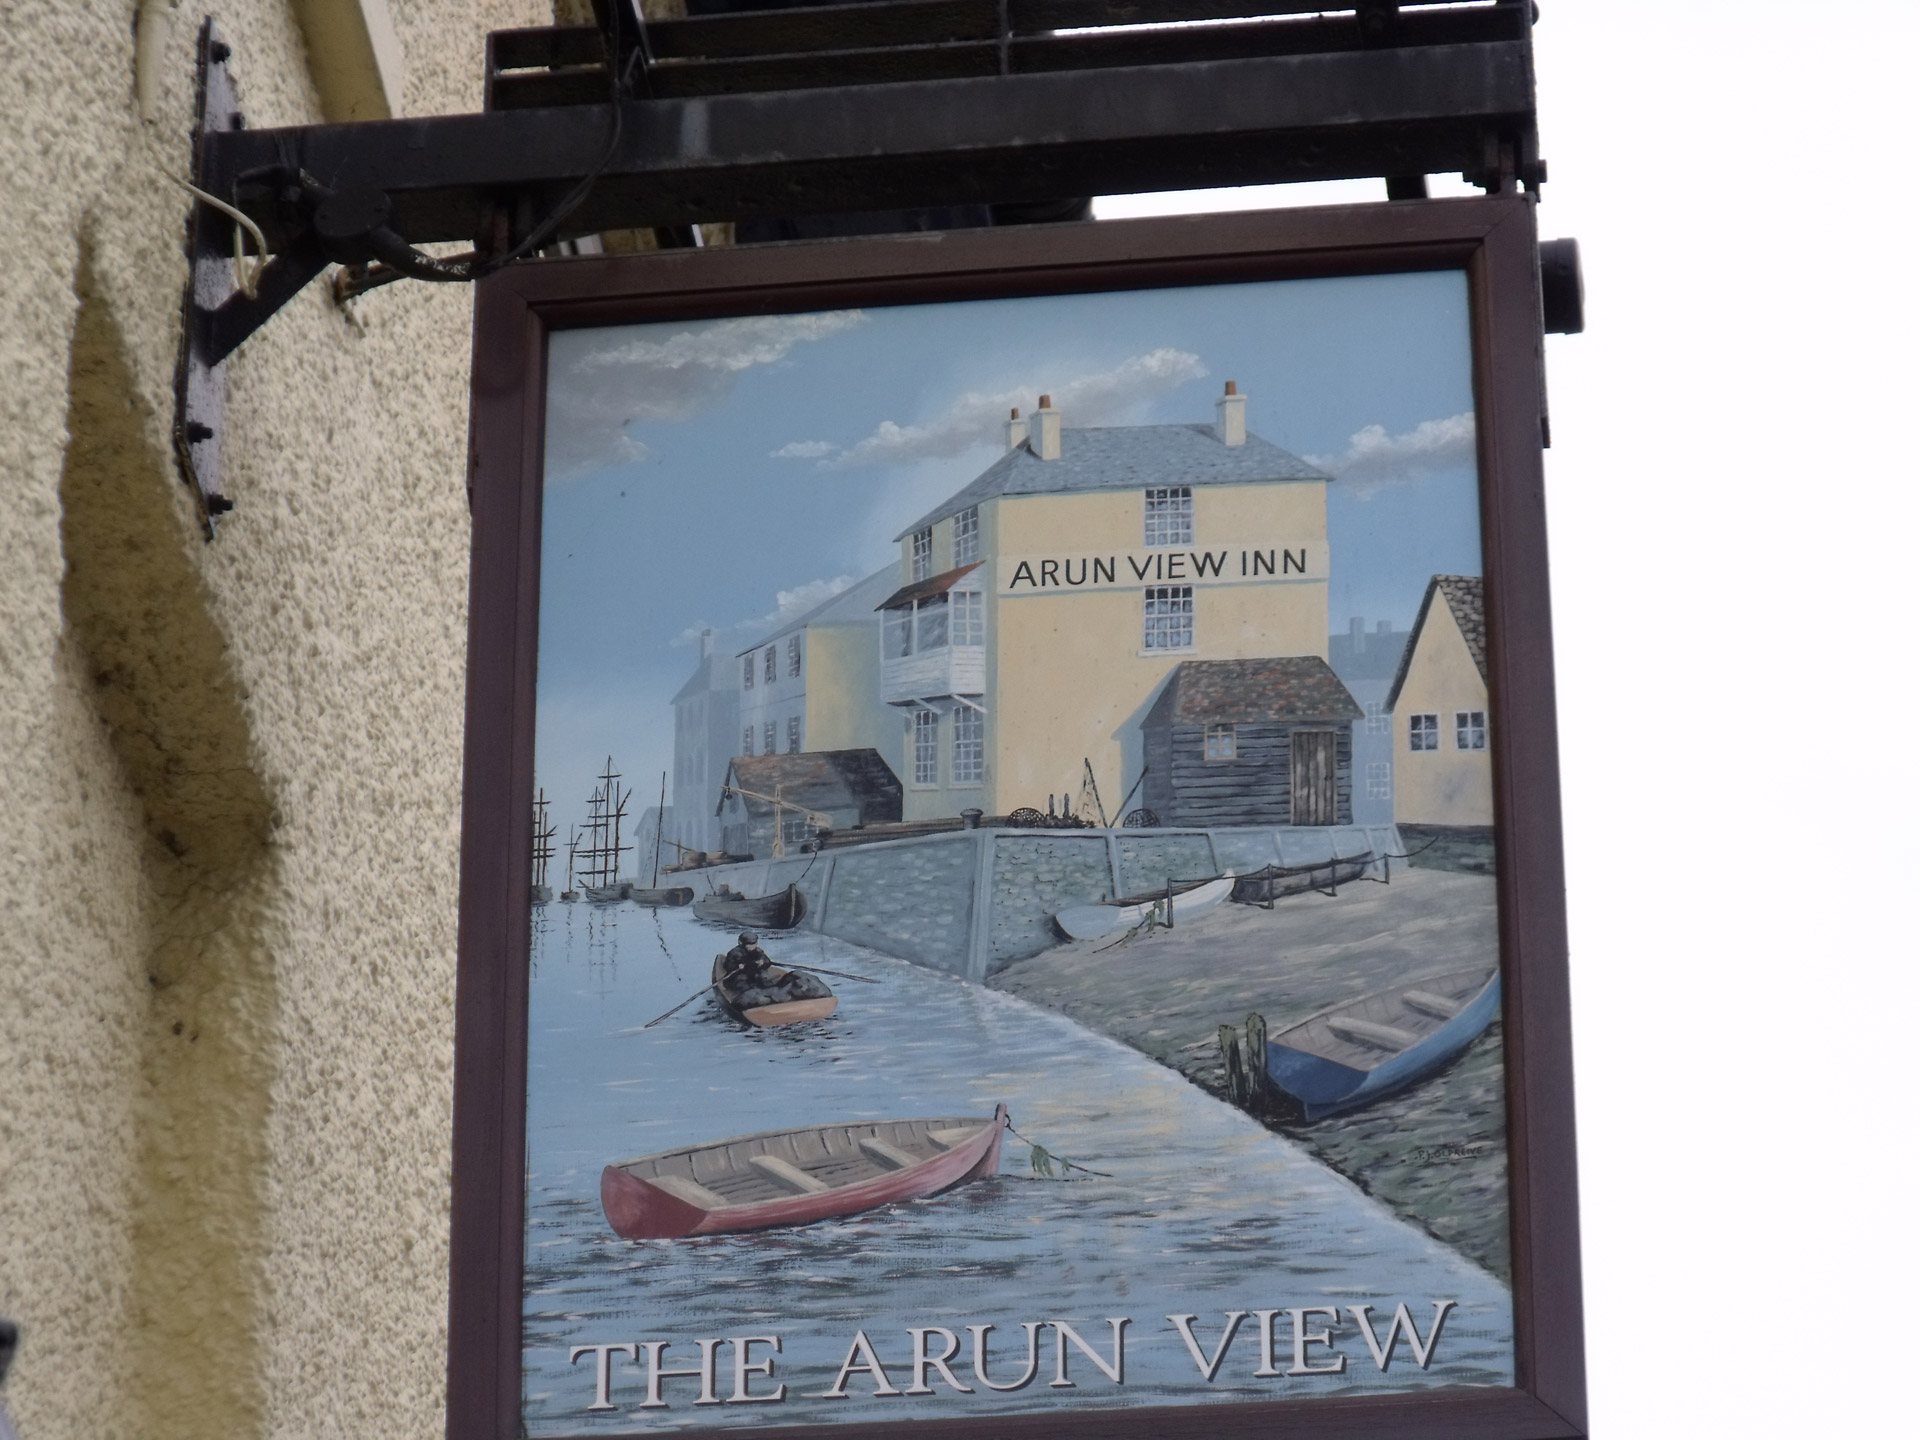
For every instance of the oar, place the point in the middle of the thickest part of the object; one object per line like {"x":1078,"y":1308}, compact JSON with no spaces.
{"x":676,"y":1010}
{"x":841,"y":974}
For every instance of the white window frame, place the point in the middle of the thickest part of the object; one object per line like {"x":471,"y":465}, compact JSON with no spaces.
{"x":770,"y":737}
{"x":1174,"y":628}
{"x":1379,"y":780}
{"x":969,"y":749}
{"x":793,"y":734}
{"x":1469,"y":729}
{"x":1219,"y":743}
{"x":967,"y":622}
{"x":773,"y":663}
{"x":1423,"y":732}
{"x":922,"y":544}
{"x":1168,"y":515}
{"x":746,"y":670}
{"x":793,"y":656}
{"x":966,"y":536}
{"x":924,"y":747}
{"x":1379,"y":718}
{"x":746,"y":740}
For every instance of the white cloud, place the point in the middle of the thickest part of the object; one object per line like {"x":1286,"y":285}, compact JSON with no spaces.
{"x":974,"y":418}
{"x":1374,"y":459}
{"x":804,"y":450}
{"x":603,"y":380}
{"x":787,"y":605}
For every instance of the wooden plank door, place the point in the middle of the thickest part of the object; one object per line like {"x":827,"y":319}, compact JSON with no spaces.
{"x":1313,"y":761}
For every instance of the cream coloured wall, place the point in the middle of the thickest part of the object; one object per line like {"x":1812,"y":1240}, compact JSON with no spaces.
{"x":843,"y":693}
{"x":1068,"y":679}
{"x":1448,"y":786}
{"x":233,"y":777}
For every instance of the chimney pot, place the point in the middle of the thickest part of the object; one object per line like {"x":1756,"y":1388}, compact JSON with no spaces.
{"x":1232,"y":388}
{"x":1046,"y":430}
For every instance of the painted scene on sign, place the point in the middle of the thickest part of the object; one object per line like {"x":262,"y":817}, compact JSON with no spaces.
{"x":1013,"y":906}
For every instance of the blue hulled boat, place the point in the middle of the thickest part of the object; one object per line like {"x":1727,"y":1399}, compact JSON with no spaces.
{"x":1355,"y":1053}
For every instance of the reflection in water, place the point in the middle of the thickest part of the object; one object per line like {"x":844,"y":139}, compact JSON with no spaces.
{"x":1205,"y":1211}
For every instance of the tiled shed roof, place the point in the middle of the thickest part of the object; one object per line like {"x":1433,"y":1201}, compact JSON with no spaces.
{"x":820,"y":780}
{"x":1285,"y":688}
{"x":1126,"y":457}
{"x":1465,"y":597}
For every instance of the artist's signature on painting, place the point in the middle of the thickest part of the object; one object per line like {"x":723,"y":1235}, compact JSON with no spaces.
{"x":1427,"y":1154}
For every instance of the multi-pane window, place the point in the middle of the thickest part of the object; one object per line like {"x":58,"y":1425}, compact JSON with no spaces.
{"x":746,"y":673}
{"x":1169,"y":617}
{"x":1423,"y":732}
{"x":969,"y":618}
{"x":1378,"y":720}
{"x":926,"y":747}
{"x":1170,"y":515}
{"x":773,"y":662}
{"x":793,"y":655}
{"x":1470,"y":729}
{"x":969,"y":745}
{"x":766,"y":747}
{"x":966,"y":537}
{"x":923,"y":553}
{"x":930,"y":624}
{"x":1220,"y":742}
{"x":746,"y":741}
{"x":793,"y":735}
{"x":1379,"y":780}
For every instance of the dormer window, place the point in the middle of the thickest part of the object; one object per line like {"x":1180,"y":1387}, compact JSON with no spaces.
{"x":923,"y":552}
{"x":966,"y":537}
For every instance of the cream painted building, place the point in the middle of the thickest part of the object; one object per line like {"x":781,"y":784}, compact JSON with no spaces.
{"x":232,"y":770}
{"x":1443,"y":770}
{"x":1041,"y":609}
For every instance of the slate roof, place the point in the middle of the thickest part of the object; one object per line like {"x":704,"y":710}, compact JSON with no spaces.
{"x":1284,"y":688}
{"x":1126,"y":457}
{"x":1465,"y":596}
{"x":820,"y":780}
{"x":855,"y":604}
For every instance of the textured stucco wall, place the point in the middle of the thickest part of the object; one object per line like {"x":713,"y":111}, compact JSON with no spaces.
{"x":232,"y":777}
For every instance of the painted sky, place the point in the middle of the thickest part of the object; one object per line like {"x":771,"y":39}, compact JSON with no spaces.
{"x":722,"y":473}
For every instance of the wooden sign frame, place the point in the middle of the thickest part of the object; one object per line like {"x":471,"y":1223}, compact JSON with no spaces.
{"x":1493,"y":240}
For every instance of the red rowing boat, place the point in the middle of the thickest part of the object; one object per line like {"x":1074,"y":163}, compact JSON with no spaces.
{"x":794,"y":1177}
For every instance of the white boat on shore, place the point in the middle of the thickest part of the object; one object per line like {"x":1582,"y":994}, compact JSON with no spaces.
{"x":1090,"y":922}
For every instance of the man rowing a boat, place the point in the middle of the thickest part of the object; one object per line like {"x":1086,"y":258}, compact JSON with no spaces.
{"x":747,"y":964}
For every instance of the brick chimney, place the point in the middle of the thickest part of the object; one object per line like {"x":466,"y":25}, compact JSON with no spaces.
{"x":1046,"y":430}
{"x":1230,"y":411}
{"x":1016,"y":430}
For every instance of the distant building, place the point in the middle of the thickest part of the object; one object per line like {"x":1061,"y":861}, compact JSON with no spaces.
{"x":706,"y":728}
{"x":1366,"y":662}
{"x":848,"y":787}
{"x":1443,"y":769}
{"x":1036,"y":613}
{"x":814,"y":682}
{"x":1251,"y":742}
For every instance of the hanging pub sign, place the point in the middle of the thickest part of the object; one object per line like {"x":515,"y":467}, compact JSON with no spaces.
{"x":1012,"y":862}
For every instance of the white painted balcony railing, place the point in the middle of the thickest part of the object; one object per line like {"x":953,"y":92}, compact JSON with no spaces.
{"x":931,"y":674}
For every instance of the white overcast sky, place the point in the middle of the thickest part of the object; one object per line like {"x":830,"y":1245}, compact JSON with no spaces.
{"x":1733,"y":513}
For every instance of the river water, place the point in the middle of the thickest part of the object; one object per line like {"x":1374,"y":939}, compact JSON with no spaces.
{"x":1204,"y":1211}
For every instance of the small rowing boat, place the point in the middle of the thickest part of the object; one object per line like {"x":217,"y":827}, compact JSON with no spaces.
{"x":726,"y":906}
{"x":794,"y":1177}
{"x":1355,"y":1053}
{"x":1276,"y":882}
{"x":787,"y":997}
{"x":640,"y":894}
{"x":1191,"y":899}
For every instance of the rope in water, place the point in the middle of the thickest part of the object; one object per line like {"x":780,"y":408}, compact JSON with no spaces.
{"x":1042,"y":1153}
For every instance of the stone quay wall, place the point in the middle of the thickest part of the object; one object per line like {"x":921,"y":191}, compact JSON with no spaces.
{"x":970,"y":902}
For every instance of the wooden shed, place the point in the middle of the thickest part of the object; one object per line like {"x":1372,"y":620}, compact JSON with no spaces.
{"x":1251,"y":742}
{"x":851,"y":788}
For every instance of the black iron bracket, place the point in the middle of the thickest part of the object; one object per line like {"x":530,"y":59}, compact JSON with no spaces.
{"x":899,"y":105}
